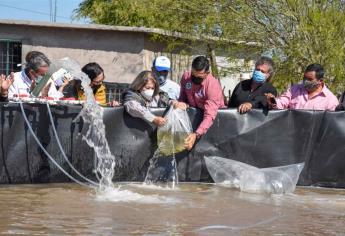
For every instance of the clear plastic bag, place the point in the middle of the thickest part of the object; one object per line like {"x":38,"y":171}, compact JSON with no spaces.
{"x":172,"y":135}
{"x":274,"y":180}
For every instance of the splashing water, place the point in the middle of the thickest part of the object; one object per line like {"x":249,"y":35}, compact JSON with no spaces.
{"x":171,"y":138}
{"x":92,"y":114}
{"x":117,"y":195}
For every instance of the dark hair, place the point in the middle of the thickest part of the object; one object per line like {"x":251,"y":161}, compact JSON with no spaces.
{"x":141,"y":80}
{"x":92,"y":70}
{"x":266,"y":61}
{"x":35,"y":60}
{"x":201,"y":63}
{"x":319,"y":71}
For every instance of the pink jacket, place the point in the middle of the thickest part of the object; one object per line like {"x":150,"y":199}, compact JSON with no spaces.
{"x":207,"y":96}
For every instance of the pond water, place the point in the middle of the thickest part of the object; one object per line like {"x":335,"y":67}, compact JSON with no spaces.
{"x":189,"y":209}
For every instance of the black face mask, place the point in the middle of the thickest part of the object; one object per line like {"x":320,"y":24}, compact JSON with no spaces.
{"x":196,"y":80}
{"x":95,"y":88}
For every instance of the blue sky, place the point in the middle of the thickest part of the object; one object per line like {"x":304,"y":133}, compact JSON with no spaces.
{"x":39,"y":10}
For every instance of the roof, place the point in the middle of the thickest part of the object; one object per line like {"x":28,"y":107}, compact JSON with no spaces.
{"x":113,"y":28}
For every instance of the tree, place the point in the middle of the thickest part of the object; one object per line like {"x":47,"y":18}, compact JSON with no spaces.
{"x":196,"y":21}
{"x":294,"y":32}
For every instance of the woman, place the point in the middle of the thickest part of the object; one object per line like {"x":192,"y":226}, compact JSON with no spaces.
{"x":96,"y":74}
{"x":142,"y":94}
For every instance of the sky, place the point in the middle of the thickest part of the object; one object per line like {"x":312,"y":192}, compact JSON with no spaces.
{"x":39,"y":10}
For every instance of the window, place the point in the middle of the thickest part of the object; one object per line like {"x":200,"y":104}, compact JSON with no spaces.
{"x":10,"y":56}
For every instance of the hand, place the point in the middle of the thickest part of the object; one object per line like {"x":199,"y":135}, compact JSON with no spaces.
{"x":159,"y":121}
{"x":65,"y":81}
{"x":245,"y":107}
{"x":271,"y":100}
{"x":189,"y":141}
{"x":6,"y":83}
{"x":180,"y":105}
{"x":45,"y":90}
{"x":114,"y":103}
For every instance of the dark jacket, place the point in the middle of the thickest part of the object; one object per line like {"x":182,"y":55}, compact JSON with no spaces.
{"x":242,"y":93}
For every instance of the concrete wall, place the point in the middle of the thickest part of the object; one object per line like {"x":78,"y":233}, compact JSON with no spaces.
{"x":123,"y":52}
{"x":119,"y":53}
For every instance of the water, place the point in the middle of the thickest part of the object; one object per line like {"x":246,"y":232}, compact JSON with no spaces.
{"x":92,"y":114}
{"x":189,"y":209}
{"x":171,"y":143}
{"x":171,"y":140}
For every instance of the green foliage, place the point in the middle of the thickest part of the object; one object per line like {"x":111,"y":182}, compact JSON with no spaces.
{"x":294,"y":32}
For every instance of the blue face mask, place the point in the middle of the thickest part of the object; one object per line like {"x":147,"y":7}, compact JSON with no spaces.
{"x":162,"y":79}
{"x":259,"y":77}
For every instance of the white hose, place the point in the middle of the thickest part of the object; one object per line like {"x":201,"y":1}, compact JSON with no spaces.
{"x":62,"y":151}
{"x":45,"y":151}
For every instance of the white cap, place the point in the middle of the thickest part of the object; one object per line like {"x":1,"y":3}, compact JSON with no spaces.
{"x":161,"y":63}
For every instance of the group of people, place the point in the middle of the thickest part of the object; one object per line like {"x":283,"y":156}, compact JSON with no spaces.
{"x":258,"y":92}
{"x":37,"y":65}
{"x":197,"y":88}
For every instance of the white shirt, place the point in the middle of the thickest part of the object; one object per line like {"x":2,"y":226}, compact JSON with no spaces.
{"x":171,"y":88}
{"x":22,"y":84}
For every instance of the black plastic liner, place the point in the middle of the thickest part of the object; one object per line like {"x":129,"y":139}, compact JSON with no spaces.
{"x":261,"y":139}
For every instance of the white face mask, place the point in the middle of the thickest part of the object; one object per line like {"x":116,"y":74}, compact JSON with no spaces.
{"x":147,"y":94}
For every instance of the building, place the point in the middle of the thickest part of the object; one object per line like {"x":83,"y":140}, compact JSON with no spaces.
{"x":122,"y":51}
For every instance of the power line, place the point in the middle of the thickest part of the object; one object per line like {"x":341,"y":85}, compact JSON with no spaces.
{"x":36,"y":12}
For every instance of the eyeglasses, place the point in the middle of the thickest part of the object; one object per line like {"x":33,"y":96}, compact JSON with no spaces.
{"x":97,"y":82}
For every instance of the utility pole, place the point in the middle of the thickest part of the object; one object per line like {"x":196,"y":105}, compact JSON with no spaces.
{"x":53,"y":10}
{"x":50,"y":9}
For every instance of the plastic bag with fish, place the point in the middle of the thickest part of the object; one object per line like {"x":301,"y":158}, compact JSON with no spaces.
{"x":172,"y":135}
{"x":273,"y":180}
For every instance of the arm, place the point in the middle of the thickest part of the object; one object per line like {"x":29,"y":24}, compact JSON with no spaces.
{"x":136,"y":110}
{"x":52,"y":91}
{"x":213,"y":102}
{"x":261,"y":100}
{"x":6,"y":84}
{"x":284,"y":100}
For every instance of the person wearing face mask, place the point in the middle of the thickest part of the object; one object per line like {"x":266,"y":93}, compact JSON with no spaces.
{"x":141,"y":95}
{"x":201,"y":90}
{"x":36,"y":66}
{"x":250,"y":93}
{"x":161,"y":68}
{"x":96,"y":75}
{"x":312,"y":94}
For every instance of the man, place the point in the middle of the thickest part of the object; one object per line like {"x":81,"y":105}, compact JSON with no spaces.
{"x":161,"y":68}
{"x":313,"y":94}
{"x":200,"y":89}
{"x":250,"y":93}
{"x":37,"y":65}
